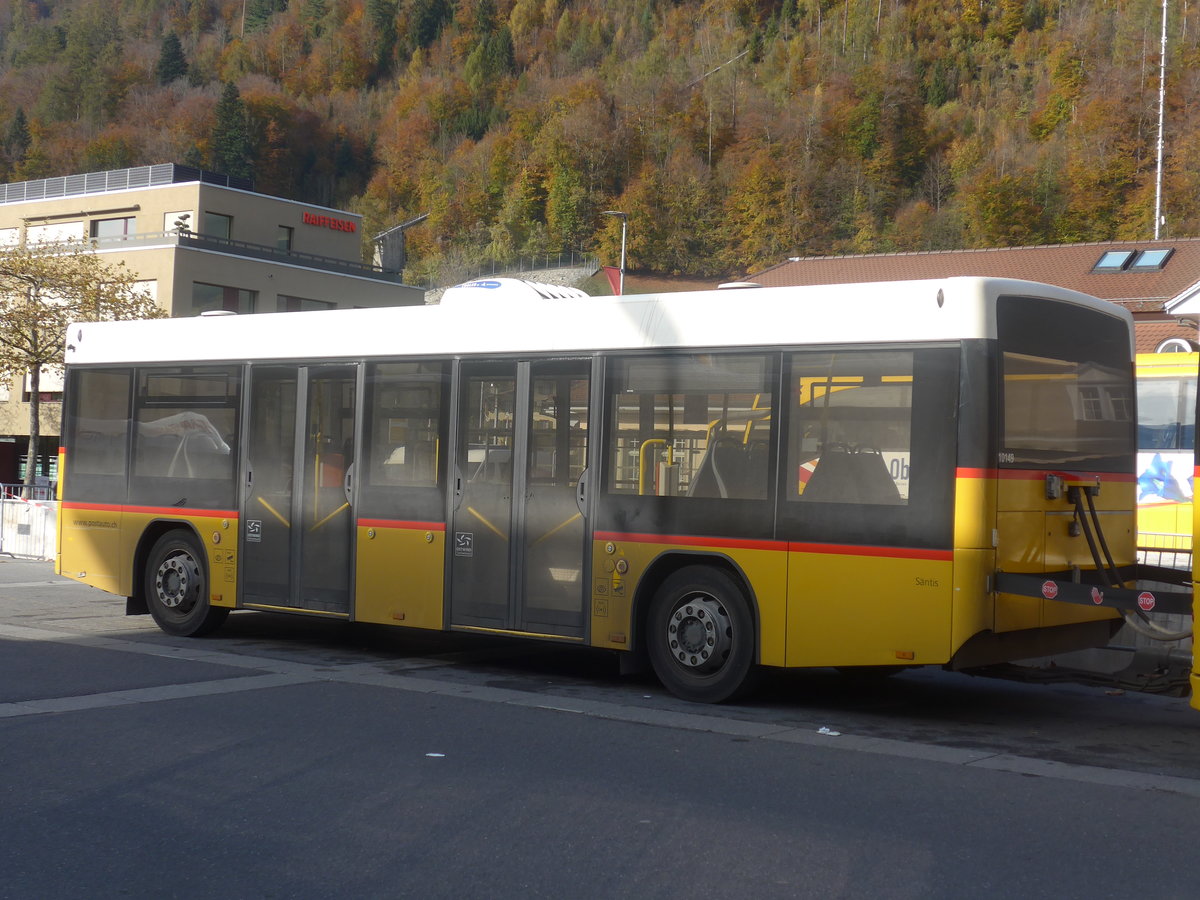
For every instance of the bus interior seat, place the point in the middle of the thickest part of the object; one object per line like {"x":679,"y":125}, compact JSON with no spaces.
{"x":757,"y":469}
{"x":720,"y":472}
{"x":848,"y":475}
{"x":875,"y":483}
{"x":833,"y":478}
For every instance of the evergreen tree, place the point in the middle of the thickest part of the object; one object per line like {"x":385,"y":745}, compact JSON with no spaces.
{"x":258,"y":12}
{"x":425,"y":21}
{"x":231,"y":152}
{"x":172,"y":64}
{"x":382,"y":16}
{"x":16,"y":142}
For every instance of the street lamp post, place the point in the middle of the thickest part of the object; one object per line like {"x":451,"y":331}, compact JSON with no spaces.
{"x":624,"y":221}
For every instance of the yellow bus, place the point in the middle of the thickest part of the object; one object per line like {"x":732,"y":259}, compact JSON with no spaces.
{"x":1166,"y":389}
{"x":877,"y":475}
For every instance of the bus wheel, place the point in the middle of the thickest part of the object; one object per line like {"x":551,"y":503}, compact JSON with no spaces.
{"x":177,"y":589}
{"x":701,"y":636}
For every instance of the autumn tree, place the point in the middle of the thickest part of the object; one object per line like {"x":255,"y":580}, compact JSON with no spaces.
{"x":43,"y":289}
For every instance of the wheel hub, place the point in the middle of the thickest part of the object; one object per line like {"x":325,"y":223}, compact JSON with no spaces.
{"x":700,"y":633}
{"x":175,"y":580}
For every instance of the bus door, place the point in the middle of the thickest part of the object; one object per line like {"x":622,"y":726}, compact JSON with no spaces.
{"x":298,"y":525}
{"x":517,"y":548}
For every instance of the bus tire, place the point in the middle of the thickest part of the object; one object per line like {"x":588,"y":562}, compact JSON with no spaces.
{"x":700,"y":636}
{"x":176,"y":586}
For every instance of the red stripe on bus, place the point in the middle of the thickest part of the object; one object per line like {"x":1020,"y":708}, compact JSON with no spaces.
{"x":795,"y":547}
{"x":690,"y":541}
{"x":152,"y":510}
{"x":1040,"y":474}
{"x":398,"y":523}
{"x":976,"y":473}
{"x":856,"y":550}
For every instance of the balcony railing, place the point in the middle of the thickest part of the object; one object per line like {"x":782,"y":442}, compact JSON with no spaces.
{"x":249,"y":251}
{"x":450,"y":274}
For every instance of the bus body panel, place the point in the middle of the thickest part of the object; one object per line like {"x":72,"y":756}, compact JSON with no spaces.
{"x":973,"y":602}
{"x":1034,"y":537}
{"x":400,"y":571}
{"x":89,"y":546}
{"x":861,"y":606}
{"x":973,"y":606}
{"x":975,"y":508}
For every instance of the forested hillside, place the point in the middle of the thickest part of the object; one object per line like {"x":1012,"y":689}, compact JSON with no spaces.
{"x":734,"y":133}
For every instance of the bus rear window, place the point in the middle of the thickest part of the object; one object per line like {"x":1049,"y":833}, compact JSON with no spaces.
{"x":1066,"y":387}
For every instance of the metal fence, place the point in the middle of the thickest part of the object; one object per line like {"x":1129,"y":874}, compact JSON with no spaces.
{"x":1171,"y":550}
{"x":568,"y":259}
{"x":28,"y":521}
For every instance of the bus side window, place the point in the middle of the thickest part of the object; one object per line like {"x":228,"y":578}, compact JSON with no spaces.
{"x":691,"y":426}
{"x":185,"y":425}
{"x":405,"y":404}
{"x":851,"y":427}
{"x":99,"y":422}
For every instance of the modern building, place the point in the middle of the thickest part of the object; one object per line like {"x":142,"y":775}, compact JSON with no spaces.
{"x":1157,"y":281}
{"x":196,"y":241}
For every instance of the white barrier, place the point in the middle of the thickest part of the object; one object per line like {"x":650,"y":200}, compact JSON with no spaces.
{"x":29,"y":528}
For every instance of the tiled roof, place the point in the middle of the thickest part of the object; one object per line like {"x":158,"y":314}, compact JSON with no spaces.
{"x":1148,"y":335}
{"x":1066,"y":265}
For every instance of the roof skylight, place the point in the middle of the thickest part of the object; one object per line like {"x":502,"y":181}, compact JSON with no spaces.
{"x":1149,"y":260}
{"x":1113,"y":261}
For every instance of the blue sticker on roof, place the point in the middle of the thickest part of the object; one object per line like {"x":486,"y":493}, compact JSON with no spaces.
{"x":488,"y":285}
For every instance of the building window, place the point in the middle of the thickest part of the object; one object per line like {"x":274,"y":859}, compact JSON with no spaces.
{"x":54,"y":233}
{"x":206,"y":297}
{"x":301,"y":304}
{"x":283,"y":239}
{"x":118,"y":229}
{"x":1176,"y":345}
{"x":177,"y":222}
{"x":217,"y":225}
{"x":1113,"y":261}
{"x":1150,"y":260}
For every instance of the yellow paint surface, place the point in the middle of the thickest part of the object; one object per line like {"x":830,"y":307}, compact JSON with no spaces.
{"x":399,"y":576}
{"x":89,"y":544}
{"x":849,"y":610}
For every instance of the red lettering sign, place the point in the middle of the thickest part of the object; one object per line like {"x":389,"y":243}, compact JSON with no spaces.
{"x":329,"y":222}
{"x":1049,"y":590}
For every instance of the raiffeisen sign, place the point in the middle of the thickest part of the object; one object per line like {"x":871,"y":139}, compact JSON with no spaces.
{"x":336,"y":224}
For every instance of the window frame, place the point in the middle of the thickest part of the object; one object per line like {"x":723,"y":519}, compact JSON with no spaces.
{"x":193,"y":492}
{"x":926,"y":520}
{"x":403,"y":502}
{"x":735,"y":517}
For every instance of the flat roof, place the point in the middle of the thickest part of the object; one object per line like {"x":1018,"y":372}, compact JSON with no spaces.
{"x":115,"y":180}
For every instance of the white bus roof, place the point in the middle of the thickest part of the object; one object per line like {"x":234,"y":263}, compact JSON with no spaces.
{"x":491,"y":319}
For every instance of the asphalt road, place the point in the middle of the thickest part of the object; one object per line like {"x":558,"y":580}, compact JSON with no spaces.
{"x":288,"y":757}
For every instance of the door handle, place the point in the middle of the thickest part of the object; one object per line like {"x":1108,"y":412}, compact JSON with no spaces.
{"x":348,"y":484}
{"x":458,"y":487}
{"x":581,"y":492}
